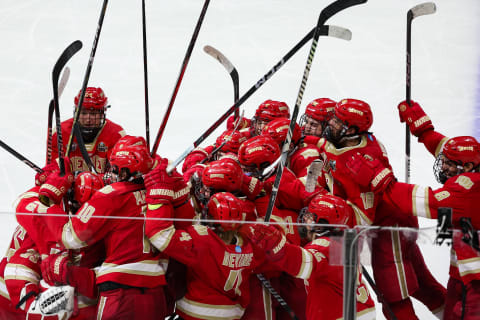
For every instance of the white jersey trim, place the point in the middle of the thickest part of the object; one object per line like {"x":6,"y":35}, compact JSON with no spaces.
{"x":207,"y":311}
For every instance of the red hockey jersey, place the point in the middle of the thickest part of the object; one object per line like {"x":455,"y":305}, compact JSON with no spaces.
{"x":115,"y":215}
{"x":99,"y":150}
{"x":324,"y":279}
{"x":218,"y":273}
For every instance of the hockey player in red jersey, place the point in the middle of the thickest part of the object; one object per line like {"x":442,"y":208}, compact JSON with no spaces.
{"x":219,"y":260}
{"x":392,"y":253}
{"x":456,"y":167}
{"x":317,"y":113}
{"x":99,"y":134}
{"x":267,"y":111}
{"x":301,"y":155}
{"x":131,"y":279}
{"x":314,"y":262}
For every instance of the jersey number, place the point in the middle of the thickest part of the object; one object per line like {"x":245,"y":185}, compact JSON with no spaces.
{"x":234,"y":280}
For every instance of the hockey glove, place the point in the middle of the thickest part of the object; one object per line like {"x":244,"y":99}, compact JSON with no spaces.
{"x":55,"y":269}
{"x":54,"y":303}
{"x":416,"y":119}
{"x":56,"y":186}
{"x":251,"y":187}
{"x":161,"y":186}
{"x":194,"y":157}
{"x":267,"y":238}
{"x":368,"y":172}
{"x":41,"y":177}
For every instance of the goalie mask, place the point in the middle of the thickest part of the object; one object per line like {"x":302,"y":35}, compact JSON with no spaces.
{"x":92,"y":113}
{"x":459,"y":155}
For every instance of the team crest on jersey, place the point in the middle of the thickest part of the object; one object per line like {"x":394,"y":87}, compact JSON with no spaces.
{"x":74,"y":146}
{"x":102,"y":147}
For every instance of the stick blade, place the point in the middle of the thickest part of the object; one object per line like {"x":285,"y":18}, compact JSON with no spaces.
{"x":339,"y":32}
{"x":423,"y":9}
{"x":220,"y":57}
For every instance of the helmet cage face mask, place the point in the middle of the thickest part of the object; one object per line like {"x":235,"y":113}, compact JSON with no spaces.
{"x":336,"y":135}
{"x":201,"y":192}
{"x":443,"y":168}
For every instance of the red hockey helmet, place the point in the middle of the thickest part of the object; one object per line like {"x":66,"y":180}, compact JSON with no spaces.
{"x":85,"y":185}
{"x":232,"y":139}
{"x":227,"y":208}
{"x":224,"y":174}
{"x":131,"y":152}
{"x":462,"y":150}
{"x":278,"y":128}
{"x":320,"y":109}
{"x":329,"y":209}
{"x":259,"y":152}
{"x":354,"y":113}
{"x":94,"y":99}
{"x":271,"y":109}
{"x":232,"y":123}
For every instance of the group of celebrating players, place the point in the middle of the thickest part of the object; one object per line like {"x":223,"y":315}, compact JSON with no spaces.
{"x":135,"y":241}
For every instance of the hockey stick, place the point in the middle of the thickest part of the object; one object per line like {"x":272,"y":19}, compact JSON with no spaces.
{"x":333,"y":31}
{"x":417,"y":11}
{"x":326,"y":14}
{"x":225,"y":140}
{"x":145,"y":75}
{"x":379,"y":295}
{"x":51,"y":109}
{"x":180,"y":77}
{"x":312,"y":175}
{"x":75,"y":129}
{"x":231,"y":70}
{"x":20,"y":157}
{"x":67,"y":54}
{"x":267,"y":285}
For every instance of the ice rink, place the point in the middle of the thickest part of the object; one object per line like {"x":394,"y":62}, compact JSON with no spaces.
{"x":254,"y":35}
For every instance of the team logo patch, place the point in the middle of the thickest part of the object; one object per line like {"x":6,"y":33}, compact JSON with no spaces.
{"x":102,"y":147}
{"x":74,"y":146}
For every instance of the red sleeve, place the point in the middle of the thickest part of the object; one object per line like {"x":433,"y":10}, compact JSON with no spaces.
{"x":22,"y":274}
{"x":161,"y":232}
{"x":303,"y":262}
{"x":433,"y":141}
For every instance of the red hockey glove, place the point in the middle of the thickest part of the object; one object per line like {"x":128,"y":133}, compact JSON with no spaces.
{"x":266,"y":237}
{"x":41,"y":177}
{"x":182,"y":190}
{"x":160,"y":186}
{"x":56,"y":186}
{"x":194,"y":157}
{"x":251,"y":187}
{"x":415,"y":117}
{"x":196,"y":168}
{"x":369,"y":172}
{"x":55,"y":269}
